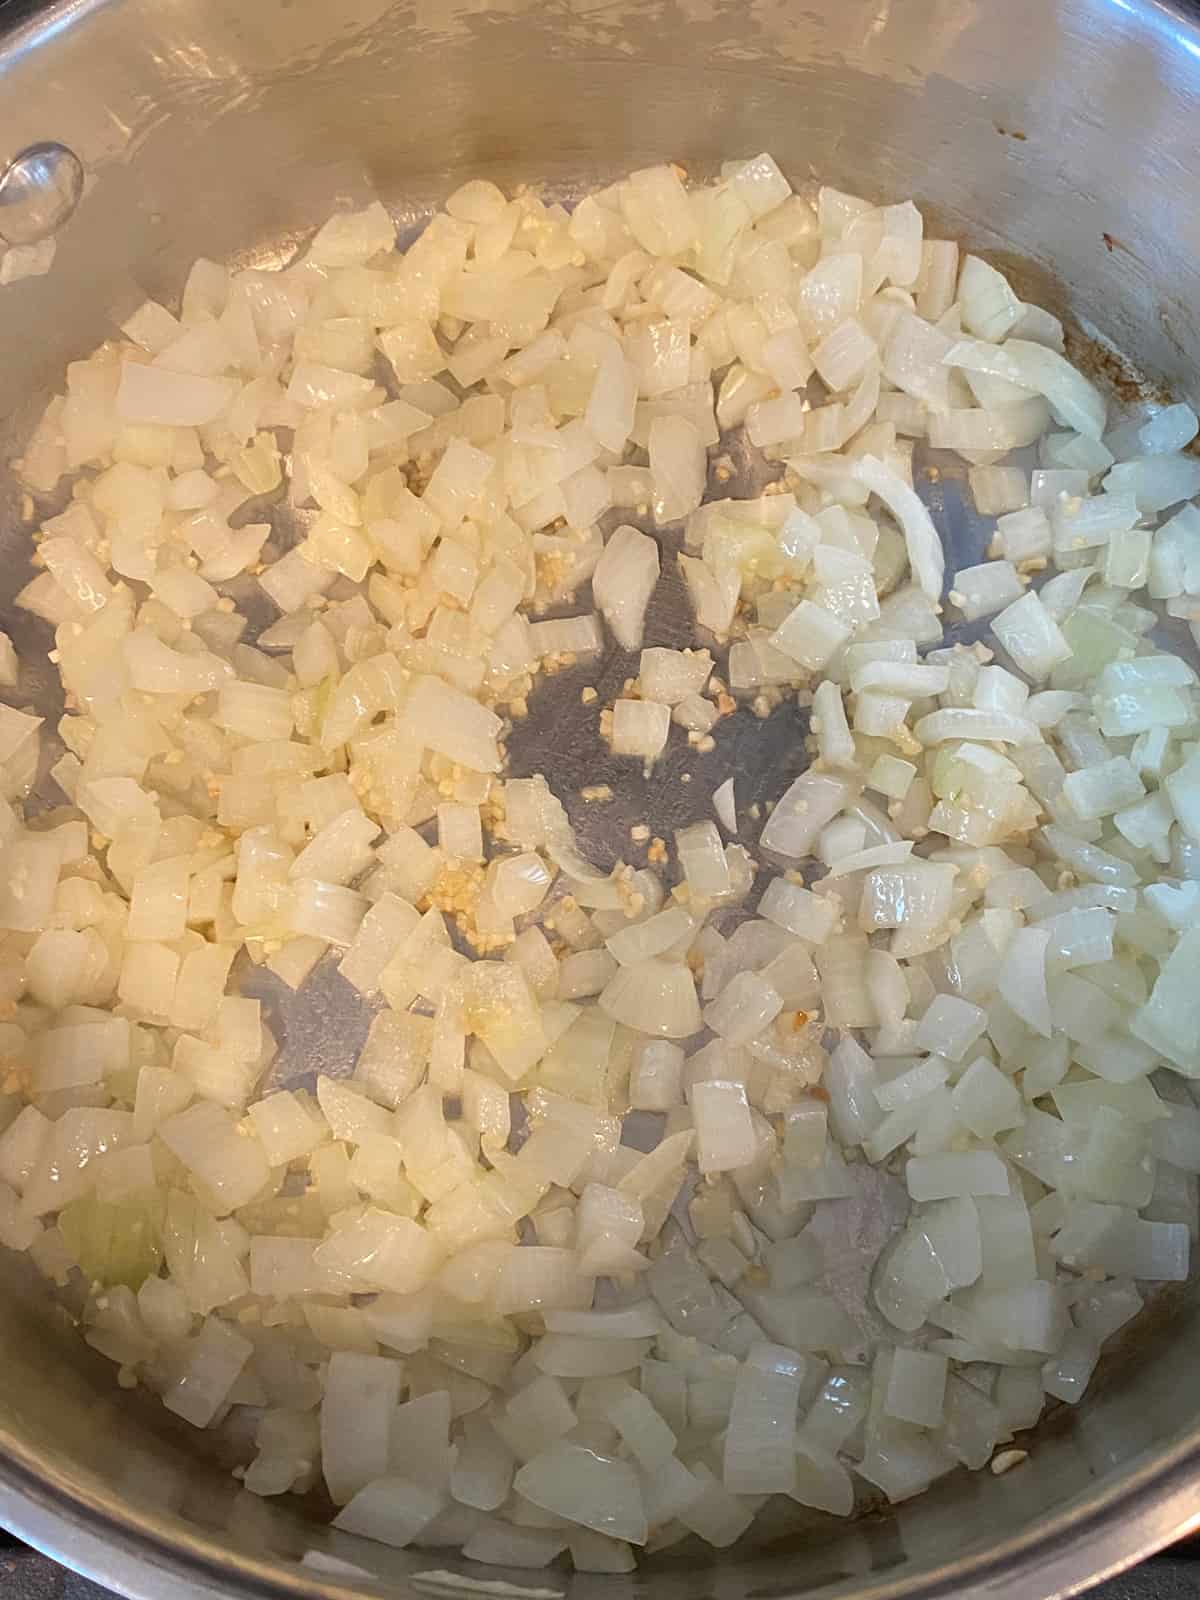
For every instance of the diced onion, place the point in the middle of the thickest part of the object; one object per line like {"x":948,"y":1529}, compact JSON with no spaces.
{"x":965,"y":949}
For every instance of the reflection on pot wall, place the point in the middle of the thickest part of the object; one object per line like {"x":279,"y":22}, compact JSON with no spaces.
{"x":208,"y":127}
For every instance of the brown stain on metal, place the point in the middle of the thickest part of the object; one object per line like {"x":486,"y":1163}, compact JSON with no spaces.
{"x":1111,"y":243}
{"x":1106,"y":367}
{"x":1037,"y":284}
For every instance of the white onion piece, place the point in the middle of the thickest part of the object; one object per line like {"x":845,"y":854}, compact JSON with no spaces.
{"x":656,"y":997}
{"x":807,"y":806}
{"x":924,"y":547}
{"x":1022,"y":978}
{"x":968,"y":723}
{"x":600,"y":1492}
{"x":724,"y":1131}
{"x":173,"y":399}
{"x":393,"y":1510}
{"x":670,"y":676}
{"x":760,"y":1445}
{"x":724,"y":806}
{"x":1074,"y":398}
{"x":623,"y":582}
{"x":639,"y":728}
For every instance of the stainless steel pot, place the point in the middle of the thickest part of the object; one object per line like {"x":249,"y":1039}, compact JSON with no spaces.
{"x":1055,"y":133}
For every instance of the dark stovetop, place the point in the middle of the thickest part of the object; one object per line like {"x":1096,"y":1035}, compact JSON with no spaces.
{"x":26,"y":1575}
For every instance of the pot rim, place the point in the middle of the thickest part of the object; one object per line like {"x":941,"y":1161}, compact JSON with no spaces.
{"x":1148,"y":1507}
{"x":1122,"y":1520}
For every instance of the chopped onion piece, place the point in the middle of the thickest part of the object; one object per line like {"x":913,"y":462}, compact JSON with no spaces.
{"x":924,"y":547}
{"x":623,"y":582}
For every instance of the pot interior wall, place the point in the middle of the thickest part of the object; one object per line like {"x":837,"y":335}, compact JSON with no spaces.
{"x":1031,"y":128}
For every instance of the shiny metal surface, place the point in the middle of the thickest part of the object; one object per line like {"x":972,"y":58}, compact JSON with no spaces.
{"x":39,"y":190}
{"x":1057,"y":134}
